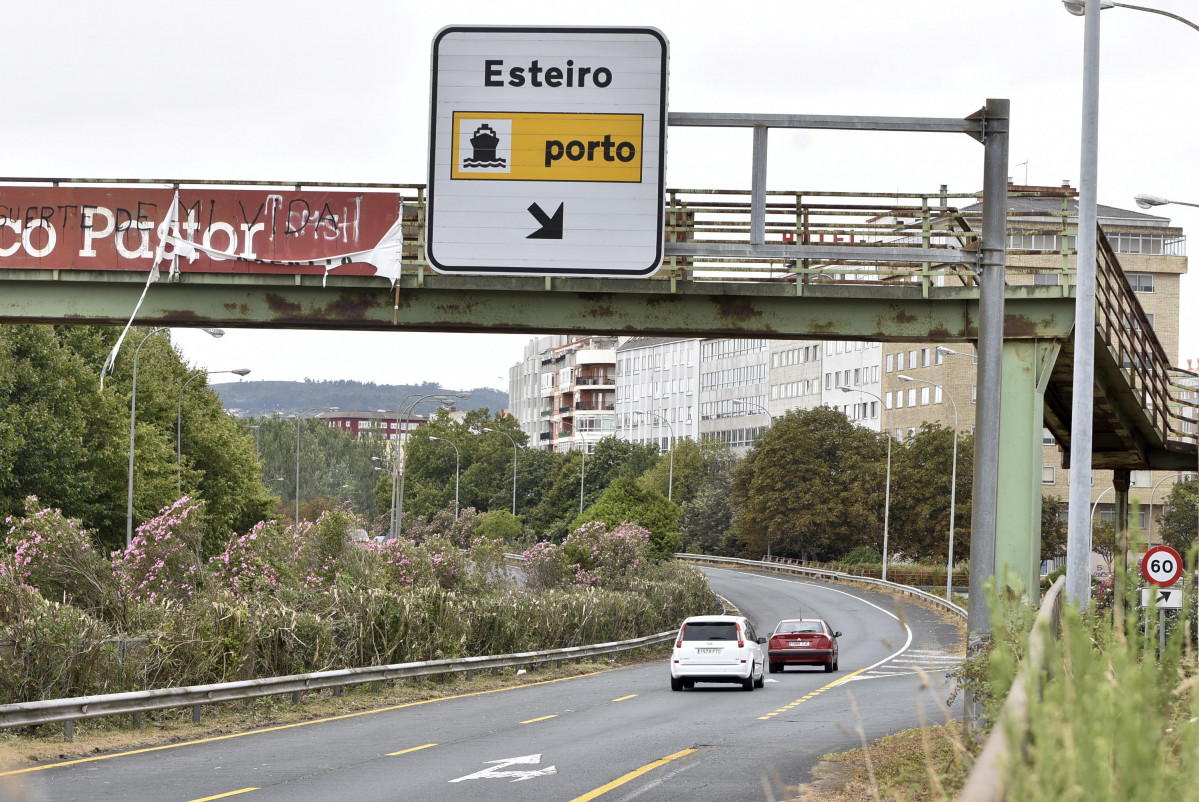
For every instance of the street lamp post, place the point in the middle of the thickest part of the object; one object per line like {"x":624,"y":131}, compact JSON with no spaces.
{"x":953,"y":482}
{"x":132,"y":422}
{"x":670,"y":442}
{"x":299,"y":422}
{"x":1149,"y":534}
{"x":397,"y":500}
{"x":505,"y":434}
{"x":1078,"y":544}
{"x":887,"y":494}
{"x":179,"y":420}
{"x":457,"y":465}
{"x":582,"y":477}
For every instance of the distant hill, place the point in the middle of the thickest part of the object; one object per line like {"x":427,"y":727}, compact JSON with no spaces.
{"x":247,"y":399}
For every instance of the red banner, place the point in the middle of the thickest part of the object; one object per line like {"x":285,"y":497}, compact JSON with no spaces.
{"x":96,"y":228}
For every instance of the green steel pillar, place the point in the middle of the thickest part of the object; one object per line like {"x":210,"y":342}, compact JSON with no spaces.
{"x":1026,"y":368}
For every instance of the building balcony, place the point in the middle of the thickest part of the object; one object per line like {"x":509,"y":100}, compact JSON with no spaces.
{"x":546,"y":436}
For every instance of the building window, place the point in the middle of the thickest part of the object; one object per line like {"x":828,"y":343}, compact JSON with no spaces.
{"x":1141,"y":282}
{"x":899,"y":361}
{"x":1047,"y":475}
{"x":924,"y":396}
{"x":912,"y":397}
{"x":1047,"y":438}
{"x":890,"y":363}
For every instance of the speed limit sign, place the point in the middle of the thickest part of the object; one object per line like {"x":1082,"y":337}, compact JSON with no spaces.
{"x":1161,"y":566}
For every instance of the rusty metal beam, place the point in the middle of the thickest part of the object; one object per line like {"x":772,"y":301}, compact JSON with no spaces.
{"x":525,"y":305}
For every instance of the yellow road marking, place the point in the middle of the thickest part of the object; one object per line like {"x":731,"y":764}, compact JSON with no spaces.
{"x":222,"y":796}
{"x":543,"y":718}
{"x":280,"y":727}
{"x":632,"y":775}
{"x":621,"y":699}
{"x":811,"y":695}
{"x":406,"y":751}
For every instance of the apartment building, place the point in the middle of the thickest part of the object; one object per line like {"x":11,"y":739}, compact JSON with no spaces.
{"x":563,"y":393}
{"x":658,"y":389}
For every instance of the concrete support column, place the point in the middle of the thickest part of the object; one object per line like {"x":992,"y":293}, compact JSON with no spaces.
{"x":1026,"y":368}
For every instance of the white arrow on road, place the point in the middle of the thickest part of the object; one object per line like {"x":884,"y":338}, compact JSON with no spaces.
{"x":496,"y":770}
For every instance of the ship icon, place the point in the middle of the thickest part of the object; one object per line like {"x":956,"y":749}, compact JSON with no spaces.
{"x":484,"y":143}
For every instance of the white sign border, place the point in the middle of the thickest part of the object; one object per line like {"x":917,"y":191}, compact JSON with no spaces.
{"x":506,"y":270}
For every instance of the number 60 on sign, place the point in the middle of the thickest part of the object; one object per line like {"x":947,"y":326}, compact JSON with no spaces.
{"x":1161,"y":566}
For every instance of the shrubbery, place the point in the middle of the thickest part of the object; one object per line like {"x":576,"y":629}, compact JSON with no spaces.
{"x":285,"y":599}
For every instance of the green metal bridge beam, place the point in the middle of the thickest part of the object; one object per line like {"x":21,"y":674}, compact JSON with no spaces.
{"x":530,"y":305}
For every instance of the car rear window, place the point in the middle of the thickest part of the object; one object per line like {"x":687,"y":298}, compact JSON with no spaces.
{"x":719,"y":630}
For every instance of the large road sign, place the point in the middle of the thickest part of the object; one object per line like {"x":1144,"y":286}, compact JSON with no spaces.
{"x":547,"y":151}
{"x":1161,"y":566}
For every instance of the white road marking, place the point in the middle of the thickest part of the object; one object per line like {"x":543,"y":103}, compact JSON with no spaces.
{"x":496,"y":770}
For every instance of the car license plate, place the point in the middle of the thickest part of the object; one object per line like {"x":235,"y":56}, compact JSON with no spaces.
{"x":801,"y":643}
{"x":709,"y":651}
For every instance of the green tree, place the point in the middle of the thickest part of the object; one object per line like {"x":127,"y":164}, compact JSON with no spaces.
{"x":706,"y":520}
{"x":812,"y":487}
{"x":921,"y":499}
{"x":1053,"y":527}
{"x":692,"y":464}
{"x":1178,"y":522}
{"x":626,"y":500}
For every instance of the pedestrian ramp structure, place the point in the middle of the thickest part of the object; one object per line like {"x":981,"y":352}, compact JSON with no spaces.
{"x":849,"y":265}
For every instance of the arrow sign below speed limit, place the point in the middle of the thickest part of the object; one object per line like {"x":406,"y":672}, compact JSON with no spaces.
{"x":1161,"y":566}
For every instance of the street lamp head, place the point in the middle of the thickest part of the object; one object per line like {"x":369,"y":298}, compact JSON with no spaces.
{"x":1079,"y":9}
{"x":487,"y":429}
{"x":844,"y":389}
{"x":903,"y":378}
{"x":463,"y":396}
{"x":431,"y":437}
{"x":1149,"y":201}
{"x":218,"y":333}
{"x":241,"y":371}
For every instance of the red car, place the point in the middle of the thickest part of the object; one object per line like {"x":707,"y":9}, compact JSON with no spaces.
{"x":803,"y":641}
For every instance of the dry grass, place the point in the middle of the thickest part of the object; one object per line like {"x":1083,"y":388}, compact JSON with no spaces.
{"x":919,"y":765}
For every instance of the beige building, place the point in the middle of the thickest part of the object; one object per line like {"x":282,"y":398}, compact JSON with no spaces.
{"x":1153,"y":256}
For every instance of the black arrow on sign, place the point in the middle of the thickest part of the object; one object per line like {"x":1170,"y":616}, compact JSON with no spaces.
{"x":1164,"y":595}
{"x":551,"y":227}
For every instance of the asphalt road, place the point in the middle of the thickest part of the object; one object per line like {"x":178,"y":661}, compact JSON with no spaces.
{"x":619,"y":735}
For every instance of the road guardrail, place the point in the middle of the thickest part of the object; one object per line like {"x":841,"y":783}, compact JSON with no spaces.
{"x":836,"y":576}
{"x":73,"y":709}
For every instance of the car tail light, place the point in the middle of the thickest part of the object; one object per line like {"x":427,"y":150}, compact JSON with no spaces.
{"x":679,"y":644}
{"x":740,"y":639}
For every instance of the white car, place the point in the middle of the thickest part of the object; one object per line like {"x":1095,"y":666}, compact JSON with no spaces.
{"x":717,"y":648}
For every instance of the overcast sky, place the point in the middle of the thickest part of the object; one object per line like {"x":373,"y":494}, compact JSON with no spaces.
{"x":305,"y":91}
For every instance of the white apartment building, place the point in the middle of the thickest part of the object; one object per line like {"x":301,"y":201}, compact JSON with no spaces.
{"x":657,"y":389}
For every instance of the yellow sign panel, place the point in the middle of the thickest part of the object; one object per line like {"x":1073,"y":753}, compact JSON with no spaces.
{"x":519,"y":146}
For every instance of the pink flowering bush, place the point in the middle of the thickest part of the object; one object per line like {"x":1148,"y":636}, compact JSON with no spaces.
{"x":54,"y":554}
{"x":264,"y":560}
{"x":162,"y":562}
{"x":403,"y":563}
{"x":544,"y":566}
{"x":489,"y":566}
{"x":600,"y":556}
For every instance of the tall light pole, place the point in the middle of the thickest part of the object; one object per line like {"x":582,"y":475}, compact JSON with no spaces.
{"x":670,"y":442}
{"x":582,"y":477}
{"x":887,"y":496}
{"x":397,"y":501}
{"x":953,"y":482}
{"x":299,"y":423}
{"x":457,"y":465}
{"x":132,"y":422}
{"x":1149,"y":535}
{"x":179,"y":420}
{"x":505,"y":434}
{"x":1078,"y":543}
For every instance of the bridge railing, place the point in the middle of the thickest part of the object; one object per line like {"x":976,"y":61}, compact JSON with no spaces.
{"x":1125,"y":329}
